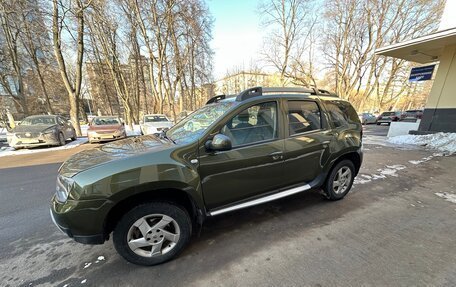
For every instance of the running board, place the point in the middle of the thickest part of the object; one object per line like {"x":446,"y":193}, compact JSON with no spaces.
{"x":257,"y":201}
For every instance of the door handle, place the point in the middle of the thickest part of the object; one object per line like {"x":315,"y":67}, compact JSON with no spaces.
{"x":277,"y":155}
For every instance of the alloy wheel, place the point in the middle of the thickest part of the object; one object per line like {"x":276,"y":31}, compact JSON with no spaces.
{"x":153,"y":235}
{"x":342,"y":180}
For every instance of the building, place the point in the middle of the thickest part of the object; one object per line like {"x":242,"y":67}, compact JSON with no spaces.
{"x":235,"y":83}
{"x":440,"y":110}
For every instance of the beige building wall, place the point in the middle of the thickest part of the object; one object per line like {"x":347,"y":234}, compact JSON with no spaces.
{"x":443,"y":93}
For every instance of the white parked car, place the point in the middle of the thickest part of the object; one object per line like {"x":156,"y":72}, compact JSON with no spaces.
{"x":155,"y":124}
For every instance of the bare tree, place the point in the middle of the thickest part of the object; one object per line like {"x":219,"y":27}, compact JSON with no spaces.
{"x":291,"y":29}
{"x":11,"y":70}
{"x":355,"y":28}
{"x":59,"y":22}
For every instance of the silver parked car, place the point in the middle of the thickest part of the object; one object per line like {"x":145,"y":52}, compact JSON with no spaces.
{"x":367,"y":118}
{"x":43,"y":130}
{"x":155,"y":124}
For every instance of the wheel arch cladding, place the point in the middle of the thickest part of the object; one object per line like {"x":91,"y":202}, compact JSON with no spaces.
{"x":354,"y":157}
{"x":173,"y":195}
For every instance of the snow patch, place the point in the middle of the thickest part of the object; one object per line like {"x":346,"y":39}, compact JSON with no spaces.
{"x":87,"y":265}
{"x":390,"y":170}
{"x":101,"y":258}
{"x":447,"y":196}
{"x":443,"y":142}
{"x":84,"y":281}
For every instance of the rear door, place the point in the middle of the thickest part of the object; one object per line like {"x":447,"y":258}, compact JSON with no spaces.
{"x":254,"y":164}
{"x":306,"y":143}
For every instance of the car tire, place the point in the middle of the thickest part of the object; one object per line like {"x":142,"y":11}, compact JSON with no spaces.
{"x":378,"y":124}
{"x":167,"y":241}
{"x":62,"y":140}
{"x":344,"y":174}
{"x":74,"y":137}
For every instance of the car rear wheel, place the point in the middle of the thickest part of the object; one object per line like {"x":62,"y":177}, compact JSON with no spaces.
{"x":340,"y":180}
{"x":152,"y":233}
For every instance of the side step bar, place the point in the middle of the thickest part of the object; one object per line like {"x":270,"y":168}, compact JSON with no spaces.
{"x":261,"y":200}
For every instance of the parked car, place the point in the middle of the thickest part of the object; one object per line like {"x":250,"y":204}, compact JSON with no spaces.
{"x":367,"y":118}
{"x":155,"y":124}
{"x":388,"y":117}
{"x":41,"y":130}
{"x":262,"y":144}
{"x":106,"y":128}
{"x":411,"y":115}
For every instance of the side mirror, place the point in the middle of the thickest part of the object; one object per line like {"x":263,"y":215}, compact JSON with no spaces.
{"x":220,"y":142}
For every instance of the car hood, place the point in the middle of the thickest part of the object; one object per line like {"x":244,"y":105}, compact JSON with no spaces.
{"x":110,"y":152}
{"x":31,"y":128}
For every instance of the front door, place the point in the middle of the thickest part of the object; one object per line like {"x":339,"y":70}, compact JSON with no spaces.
{"x":254,"y":164}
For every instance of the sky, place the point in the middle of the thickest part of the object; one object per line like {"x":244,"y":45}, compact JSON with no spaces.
{"x":237,"y":35}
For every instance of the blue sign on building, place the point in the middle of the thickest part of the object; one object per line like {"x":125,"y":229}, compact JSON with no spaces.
{"x":421,"y":73}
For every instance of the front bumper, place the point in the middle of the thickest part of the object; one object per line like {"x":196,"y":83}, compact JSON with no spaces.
{"x":81,"y":220}
{"x":101,"y":137}
{"x":42,"y":140}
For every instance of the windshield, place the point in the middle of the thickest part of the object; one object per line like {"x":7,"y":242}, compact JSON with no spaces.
{"x":388,"y":114}
{"x":32,"y":121}
{"x":157,"y":118}
{"x":105,"y":121}
{"x":193,"y":126}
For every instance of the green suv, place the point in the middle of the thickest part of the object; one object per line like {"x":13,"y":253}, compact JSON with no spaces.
{"x":151,"y":192}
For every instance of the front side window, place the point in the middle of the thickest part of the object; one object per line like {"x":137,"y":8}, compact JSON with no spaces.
{"x":255,"y":124}
{"x":303,"y":116}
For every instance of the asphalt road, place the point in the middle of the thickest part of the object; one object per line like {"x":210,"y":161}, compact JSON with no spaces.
{"x":388,"y":231}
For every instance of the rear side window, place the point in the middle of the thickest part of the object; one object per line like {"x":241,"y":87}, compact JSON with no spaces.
{"x":341,"y":113}
{"x":303,"y":116}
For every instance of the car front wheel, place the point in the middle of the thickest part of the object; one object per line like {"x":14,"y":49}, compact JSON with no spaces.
{"x":74,"y":137}
{"x":340,"y":180}
{"x":62,"y":140}
{"x":152,"y":233}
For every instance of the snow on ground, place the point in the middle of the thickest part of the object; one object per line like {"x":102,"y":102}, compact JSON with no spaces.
{"x":389,"y":170}
{"x":447,"y":196}
{"x":6,"y":151}
{"x":443,"y":142}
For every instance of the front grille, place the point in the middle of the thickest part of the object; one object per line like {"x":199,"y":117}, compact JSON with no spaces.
{"x":27,"y":135}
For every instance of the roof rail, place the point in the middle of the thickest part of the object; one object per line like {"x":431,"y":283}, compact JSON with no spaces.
{"x":215,"y":99}
{"x":324,"y":93}
{"x":250,"y":93}
{"x":288,"y":90}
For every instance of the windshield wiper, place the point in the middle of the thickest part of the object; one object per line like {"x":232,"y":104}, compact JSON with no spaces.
{"x":164,"y":136}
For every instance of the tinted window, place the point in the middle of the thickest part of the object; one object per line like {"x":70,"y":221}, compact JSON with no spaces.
{"x":303,"y":116}
{"x":341,"y":113}
{"x":254,"y":124}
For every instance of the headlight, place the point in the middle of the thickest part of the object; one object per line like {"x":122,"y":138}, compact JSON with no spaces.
{"x":64,"y":186}
{"x":48,"y":131}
